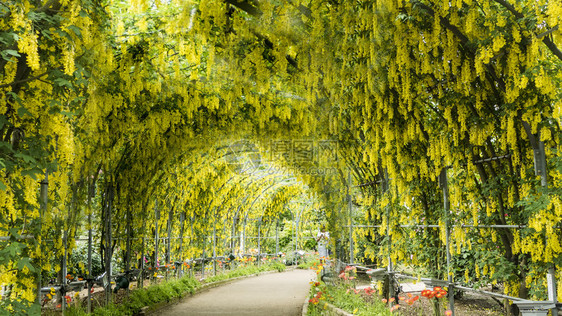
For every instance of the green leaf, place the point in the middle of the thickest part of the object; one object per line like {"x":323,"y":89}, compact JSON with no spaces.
{"x":63,"y":83}
{"x":22,"y":111}
{"x":12,"y":52}
{"x":26,"y":158}
{"x":3,"y":187}
{"x":76,"y":30}
{"x":25,"y":262}
{"x":9,"y":53}
{"x":68,"y":114}
{"x":32,"y":172}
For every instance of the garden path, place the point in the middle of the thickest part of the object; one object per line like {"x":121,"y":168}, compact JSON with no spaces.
{"x":271,"y":294}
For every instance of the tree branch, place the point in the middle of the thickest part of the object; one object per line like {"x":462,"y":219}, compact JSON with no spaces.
{"x":546,"y":40}
{"x":250,"y":8}
{"x":23,"y":80}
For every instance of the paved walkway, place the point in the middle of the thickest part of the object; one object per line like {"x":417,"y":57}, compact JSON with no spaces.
{"x":272,"y":294}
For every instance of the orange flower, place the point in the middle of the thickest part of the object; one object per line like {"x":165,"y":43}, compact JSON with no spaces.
{"x":69,"y":277}
{"x":448,"y":312}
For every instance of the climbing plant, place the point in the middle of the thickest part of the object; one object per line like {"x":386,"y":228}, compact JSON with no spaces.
{"x":127,"y":110}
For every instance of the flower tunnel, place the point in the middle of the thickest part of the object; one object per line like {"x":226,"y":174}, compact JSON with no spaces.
{"x":423,"y":134}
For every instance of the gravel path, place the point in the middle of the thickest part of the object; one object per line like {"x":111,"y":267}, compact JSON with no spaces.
{"x":272,"y":294}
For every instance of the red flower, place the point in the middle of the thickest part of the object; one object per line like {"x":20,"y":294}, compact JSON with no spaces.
{"x":369,"y":290}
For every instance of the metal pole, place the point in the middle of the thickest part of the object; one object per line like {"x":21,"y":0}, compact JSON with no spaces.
{"x":244,"y":236}
{"x":156,"y":219}
{"x":180,"y":249}
{"x":192,"y":266}
{"x":168,"y":247}
{"x":141,"y":280}
{"x":297,"y":237}
{"x":385,"y":186}
{"x":64,"y":268}
{"x":128,"y":243}
{"x":277,"y":238}
{"x":259,"y":241}
{"x":44,"y":200}
{"x":350,"y":216}
{"x":232,"y":233}
{"x":90,"y":193}
{"x":215,"y":246}
{"x":108,"y":243}
{"x":551,"y":274}
{"x":446,"y":206}
{"x":203,"y":257}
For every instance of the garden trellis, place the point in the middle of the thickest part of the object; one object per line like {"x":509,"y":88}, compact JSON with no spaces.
{"x":527,"y":307}
{"x":123,"y":104}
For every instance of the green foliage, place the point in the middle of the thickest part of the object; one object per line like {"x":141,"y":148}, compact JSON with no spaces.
{"x":78,"y":260}
{"x":246,"y":270}
{"x":307,"y":264}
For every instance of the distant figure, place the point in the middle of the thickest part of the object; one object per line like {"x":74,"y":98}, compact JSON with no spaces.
{"x":322,"y":239}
